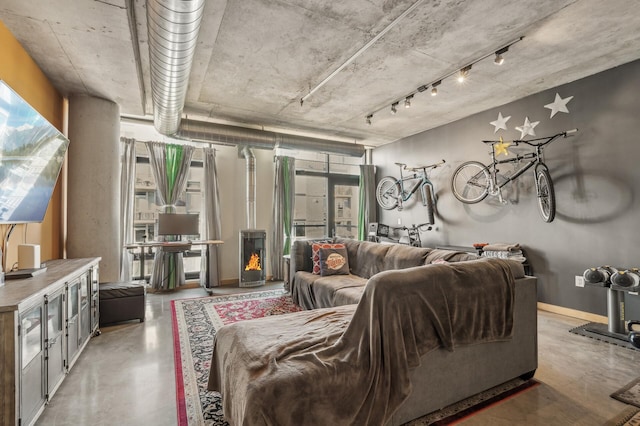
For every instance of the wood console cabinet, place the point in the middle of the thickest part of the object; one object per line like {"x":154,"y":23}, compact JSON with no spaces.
{"x":45,"y":323}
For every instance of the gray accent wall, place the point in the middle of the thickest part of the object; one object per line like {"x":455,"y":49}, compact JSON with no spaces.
{"x":596,"y":175}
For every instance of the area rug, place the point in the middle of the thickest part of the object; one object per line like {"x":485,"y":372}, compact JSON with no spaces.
{"x":629,"y":394}
{"x":195,"y":322}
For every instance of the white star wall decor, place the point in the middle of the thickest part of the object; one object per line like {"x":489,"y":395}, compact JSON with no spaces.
{"x":500,"y":123}
{"x":558,"y":105}
{"x":527,"y":128}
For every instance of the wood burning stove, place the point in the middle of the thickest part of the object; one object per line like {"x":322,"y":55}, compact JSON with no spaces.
{"x":253,"y":259}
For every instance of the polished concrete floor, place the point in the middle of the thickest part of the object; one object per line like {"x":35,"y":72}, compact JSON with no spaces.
{"x":125,"y":376}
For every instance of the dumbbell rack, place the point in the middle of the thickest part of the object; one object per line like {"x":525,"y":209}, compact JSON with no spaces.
{"x":615,"y":327}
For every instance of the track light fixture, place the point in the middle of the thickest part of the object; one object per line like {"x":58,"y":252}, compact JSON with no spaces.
{"x":499,"y":60}
{"x":434,"y":87}
{"x":368,"y":119}
{"x":461,"y":73}
{"x":407,"y":101}
{"x":464,"y":73}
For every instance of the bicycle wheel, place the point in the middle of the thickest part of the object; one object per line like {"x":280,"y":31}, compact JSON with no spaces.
{"x":546,"y":195}
{"x":387,"y":192}
{"x":470,"y":182}
{"x":428,"y":201}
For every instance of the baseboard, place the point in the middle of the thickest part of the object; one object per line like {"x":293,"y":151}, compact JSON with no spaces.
{"x":587,"y":316}
{"x":230,"y":281}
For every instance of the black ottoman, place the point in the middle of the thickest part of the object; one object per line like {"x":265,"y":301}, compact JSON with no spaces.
{"x":122,"y":301}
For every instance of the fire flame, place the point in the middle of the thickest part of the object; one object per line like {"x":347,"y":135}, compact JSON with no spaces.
{"x":254,"y":263}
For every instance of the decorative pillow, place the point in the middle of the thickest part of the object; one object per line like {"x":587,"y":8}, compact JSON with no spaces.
{"x":333,"y":261}
{"x":315,"y":256}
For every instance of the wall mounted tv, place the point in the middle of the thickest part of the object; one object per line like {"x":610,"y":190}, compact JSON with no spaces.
{"x":32,"y":151}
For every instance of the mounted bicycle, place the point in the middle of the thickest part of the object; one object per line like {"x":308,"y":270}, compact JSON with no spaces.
{"x":391,"y":192}
{"x":473,"y":181}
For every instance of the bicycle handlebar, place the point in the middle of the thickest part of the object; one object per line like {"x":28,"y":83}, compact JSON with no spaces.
{"x":546,"y":139}
{"x":432,"y":166}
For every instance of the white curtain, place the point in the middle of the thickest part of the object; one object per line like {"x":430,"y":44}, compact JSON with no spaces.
{"x":127,"y":192}
{"x":282,"y":217}
{"x":170,"y":166}
{"x":210,"y":269}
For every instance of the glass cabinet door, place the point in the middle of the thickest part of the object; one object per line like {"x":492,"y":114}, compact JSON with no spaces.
{"x":73,"y":320}
{"x":32,"y":338}
{"x":56,"y":349}
{"x":32,"y":378}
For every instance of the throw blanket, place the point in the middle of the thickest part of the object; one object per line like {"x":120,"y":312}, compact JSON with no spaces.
{"x":351,"y":364}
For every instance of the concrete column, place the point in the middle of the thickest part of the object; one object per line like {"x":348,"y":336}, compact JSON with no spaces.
{"x":93,"y":200}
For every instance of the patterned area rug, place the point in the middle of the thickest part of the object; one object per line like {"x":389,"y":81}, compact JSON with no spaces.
{"x":195,"y":322}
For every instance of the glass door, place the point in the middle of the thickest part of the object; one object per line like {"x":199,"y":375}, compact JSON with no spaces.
{"x":343,"y":206}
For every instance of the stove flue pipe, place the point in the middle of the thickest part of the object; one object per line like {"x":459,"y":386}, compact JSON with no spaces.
{"x":250,"y":160}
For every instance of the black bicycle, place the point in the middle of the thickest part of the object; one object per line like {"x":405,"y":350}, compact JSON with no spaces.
{"x":473,"y":181}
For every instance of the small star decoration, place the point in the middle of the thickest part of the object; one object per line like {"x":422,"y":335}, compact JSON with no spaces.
{"x":500,"y":123}
{"x":527,"y":128}
{"x":501,"y":147}
{"x":558,"y":105}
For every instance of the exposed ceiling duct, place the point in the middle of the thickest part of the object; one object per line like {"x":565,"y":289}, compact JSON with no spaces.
{"x":233,"y":135}
{"x":173,"y":27}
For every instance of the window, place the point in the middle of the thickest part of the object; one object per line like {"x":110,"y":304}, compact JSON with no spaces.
{"x":327,"y":194}
{"x":146,"y":209}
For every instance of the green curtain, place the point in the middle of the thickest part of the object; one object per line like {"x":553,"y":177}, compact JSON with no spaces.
{"x":367,"y":212}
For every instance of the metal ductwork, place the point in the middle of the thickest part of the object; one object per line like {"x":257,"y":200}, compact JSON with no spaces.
{"x":233,"y":135}
{"x":250,"y":160}
{"x":173,"y":27}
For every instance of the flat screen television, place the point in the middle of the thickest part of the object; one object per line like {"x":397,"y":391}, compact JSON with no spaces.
{"x":32,"y":151}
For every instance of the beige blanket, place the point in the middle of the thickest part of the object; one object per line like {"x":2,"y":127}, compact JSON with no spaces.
{"x":350,"y":365}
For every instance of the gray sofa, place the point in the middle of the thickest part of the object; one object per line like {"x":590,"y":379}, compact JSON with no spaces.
{"x":420,"y":338}
{"x":312,"y":291}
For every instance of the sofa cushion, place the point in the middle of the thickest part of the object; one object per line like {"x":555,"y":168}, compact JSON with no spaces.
{"x":315,"y":254}
{"x":333,"y":260}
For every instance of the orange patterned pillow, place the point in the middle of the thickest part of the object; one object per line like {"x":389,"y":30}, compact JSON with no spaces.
{"x":315,"y":254}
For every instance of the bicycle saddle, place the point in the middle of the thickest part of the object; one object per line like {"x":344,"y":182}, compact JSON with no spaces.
{"x":400,"y":164}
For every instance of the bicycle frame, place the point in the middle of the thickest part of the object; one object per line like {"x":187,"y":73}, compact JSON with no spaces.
{"x":532,"y":158}
{"x":423,"y":180}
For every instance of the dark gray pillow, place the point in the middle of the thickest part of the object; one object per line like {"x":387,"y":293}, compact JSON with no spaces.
{"x":333,"y":261}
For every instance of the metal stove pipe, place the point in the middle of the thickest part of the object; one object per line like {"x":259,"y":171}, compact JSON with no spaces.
{"x":250,"y":158}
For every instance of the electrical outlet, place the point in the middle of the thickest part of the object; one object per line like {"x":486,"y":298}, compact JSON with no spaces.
{"x":579,"y":281}
{"x":399,"y":221}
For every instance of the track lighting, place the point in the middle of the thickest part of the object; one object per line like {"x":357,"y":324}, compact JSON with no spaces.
{"x":463,"y":74}
{"x":434,"y":88}
{"x":407,"y":101}
{"x":499,"y":60}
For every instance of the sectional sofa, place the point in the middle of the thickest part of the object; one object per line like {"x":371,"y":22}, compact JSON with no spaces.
{"x":420,"y":336}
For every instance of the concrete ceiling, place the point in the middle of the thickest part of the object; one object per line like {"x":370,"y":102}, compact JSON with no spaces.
{"x":256,"y":59}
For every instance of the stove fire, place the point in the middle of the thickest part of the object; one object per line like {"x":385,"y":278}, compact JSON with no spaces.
{"x":253,"y":244}
{"x":254,"y":263}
